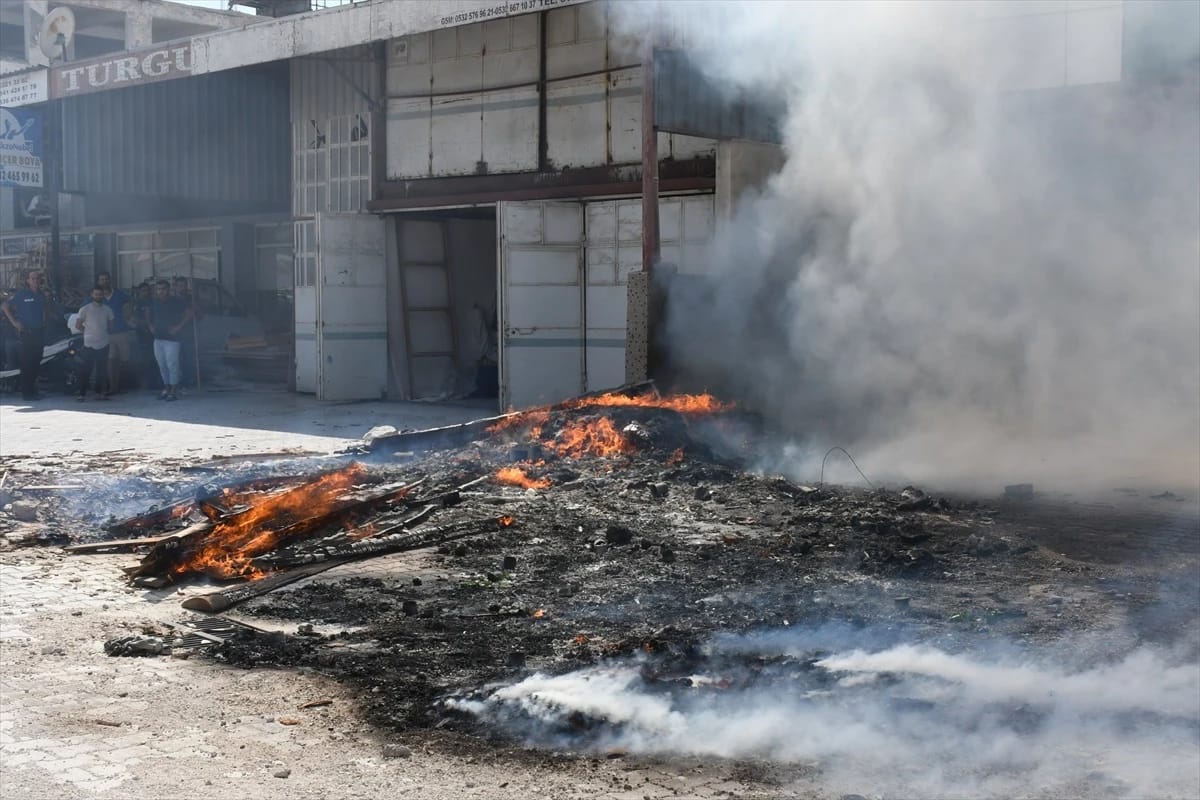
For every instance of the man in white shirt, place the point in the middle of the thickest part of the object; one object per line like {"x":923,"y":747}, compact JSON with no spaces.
{"x":95,"y":323}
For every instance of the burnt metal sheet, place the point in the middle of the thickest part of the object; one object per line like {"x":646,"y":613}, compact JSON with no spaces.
{"x":688,"y":101}
{"x":222,"y":137}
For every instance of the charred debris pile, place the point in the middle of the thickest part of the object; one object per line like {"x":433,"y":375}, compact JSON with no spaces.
{"x":609,"y":526}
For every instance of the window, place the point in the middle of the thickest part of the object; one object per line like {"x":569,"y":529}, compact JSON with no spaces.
{"x":306,"y":253}
{"x":193,"y":254}
{"x":331,"y":166}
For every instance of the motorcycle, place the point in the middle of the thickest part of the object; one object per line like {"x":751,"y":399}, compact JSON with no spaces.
{"x":61,"y":362}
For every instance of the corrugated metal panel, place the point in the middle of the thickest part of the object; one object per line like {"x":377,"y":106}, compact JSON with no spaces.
{"x":333,"y":85}
{"x":223,"y":136}
{"x":686,"y":101}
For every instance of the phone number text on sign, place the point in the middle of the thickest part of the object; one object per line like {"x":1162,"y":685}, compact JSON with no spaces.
{"x":502,"y":10}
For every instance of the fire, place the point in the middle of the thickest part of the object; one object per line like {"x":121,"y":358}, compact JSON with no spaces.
{"x":683,"y":403}
{"x":596,"y":438}
{"x":226,"y":550}
{"x":676,"y":457}
{"x":506,"y":521}
{"x":541,"y":612}
{"x":514,"y":476}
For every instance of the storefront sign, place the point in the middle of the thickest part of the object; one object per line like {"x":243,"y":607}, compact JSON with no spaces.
{"x":20,"y":147}
{"x":502,"y":9}
{"x":115,"y":72}
{"x":23,"y":88}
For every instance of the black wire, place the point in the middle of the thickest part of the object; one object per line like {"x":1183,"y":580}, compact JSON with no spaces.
{"x":852,"y":461}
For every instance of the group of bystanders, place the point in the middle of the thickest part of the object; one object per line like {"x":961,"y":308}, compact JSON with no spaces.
{"x":117,"y":330}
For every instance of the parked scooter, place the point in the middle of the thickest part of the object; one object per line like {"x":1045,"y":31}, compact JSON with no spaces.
{"x":61,"y":362}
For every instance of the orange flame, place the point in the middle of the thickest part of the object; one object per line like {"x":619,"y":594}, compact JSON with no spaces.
{"x":506,"y":521}
{"x":226,"y":550}
{"x":675,"y":458}
{"x":541,"y":612}
{"x":683,"y":403}
{"x":514,"y":476}
{"x":595,"y":438}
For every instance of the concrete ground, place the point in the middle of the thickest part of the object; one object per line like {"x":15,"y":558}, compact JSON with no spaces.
{"x":76,"y":723}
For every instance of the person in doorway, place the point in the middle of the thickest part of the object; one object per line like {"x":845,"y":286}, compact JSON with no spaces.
{"x":120,"y":349}
{"x":28,"y":310}
{"x":95,"y":322}
{"x":168,"y":314}
{"x":187,"y":337}
{"x":147,"y":368}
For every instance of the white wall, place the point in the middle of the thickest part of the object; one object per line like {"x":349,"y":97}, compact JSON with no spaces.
{"x":464,"y":100}
{"x":1041,"y":44}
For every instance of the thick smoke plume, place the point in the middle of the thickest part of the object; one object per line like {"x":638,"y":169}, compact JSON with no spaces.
{"x":907,"y":721}
{"x":962,"y":282}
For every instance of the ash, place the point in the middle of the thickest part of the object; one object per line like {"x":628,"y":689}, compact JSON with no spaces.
{"x":663,"y":598}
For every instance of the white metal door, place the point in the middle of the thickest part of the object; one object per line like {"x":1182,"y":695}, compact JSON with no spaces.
{"x":352,"y":354}
{"x":426,"y":291}
{"x":541,"y":302}
{"x":304,"y":244}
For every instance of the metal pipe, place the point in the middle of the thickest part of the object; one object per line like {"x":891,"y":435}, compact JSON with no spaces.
{"x":650,"y":248}
{"x":543,"y":162}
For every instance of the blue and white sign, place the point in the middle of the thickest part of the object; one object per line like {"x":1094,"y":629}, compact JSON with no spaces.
{"x":20,"y":147}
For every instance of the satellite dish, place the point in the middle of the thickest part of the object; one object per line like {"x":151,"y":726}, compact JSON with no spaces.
{"x":57,"y":30}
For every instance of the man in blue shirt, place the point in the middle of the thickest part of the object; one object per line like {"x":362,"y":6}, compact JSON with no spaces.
{"x":27,"y":310}
{"x":120,"y":341}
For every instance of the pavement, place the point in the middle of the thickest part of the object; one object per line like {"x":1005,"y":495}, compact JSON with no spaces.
{"x":209,"y":423}
{"x":76,"y":723}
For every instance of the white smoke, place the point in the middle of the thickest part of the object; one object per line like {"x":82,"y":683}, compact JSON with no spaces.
{"x":959,"y":282}
{"x":909,"y":721}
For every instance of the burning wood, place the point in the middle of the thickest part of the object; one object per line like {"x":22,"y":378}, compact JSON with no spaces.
{"x":515,"y":476}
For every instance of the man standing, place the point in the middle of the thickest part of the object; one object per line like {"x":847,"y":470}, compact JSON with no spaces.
{"x":120,"y":350}
{"x":167,"y":317}
{"x":27,"y":310}
{"x":187,"y":337}
{"x":95,"y":322}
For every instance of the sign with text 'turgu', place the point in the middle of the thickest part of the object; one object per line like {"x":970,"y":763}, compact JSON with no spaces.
{"x":20,"y":147}
{"x":119,"y":71}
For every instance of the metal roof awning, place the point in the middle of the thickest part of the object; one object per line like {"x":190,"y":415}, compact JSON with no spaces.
{"x":278,"y":39}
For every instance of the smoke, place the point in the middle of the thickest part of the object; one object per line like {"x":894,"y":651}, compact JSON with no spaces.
{"x":907,"y":721}
{"x":959,"y":281}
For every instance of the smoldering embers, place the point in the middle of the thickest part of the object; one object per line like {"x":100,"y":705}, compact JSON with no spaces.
{"x":908,"y":720}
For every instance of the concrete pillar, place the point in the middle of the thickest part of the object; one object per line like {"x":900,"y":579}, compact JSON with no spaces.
{"x":139,"y":28}
{"x":741,"y":166}
{"x":35,"y":14}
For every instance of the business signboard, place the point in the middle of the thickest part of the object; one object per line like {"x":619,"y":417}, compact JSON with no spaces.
{"x":20,"y":147}
{"x":118,"y":71}
{"x":23,"y":88}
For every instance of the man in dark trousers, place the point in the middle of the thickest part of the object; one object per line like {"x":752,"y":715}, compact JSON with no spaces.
{"x":27,"y":311}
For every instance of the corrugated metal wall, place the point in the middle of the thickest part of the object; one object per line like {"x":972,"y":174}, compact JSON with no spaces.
{"x":223,"y":136}
{"x":323,"y":86}
{"x":464,"y":100}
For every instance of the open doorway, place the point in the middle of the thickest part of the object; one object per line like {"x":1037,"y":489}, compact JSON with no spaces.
{"x":445,"y":345}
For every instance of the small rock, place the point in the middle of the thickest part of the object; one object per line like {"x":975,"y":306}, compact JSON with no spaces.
{"x":509,"y":563}
{"x":1019,"y":491}
{"x":515,"y":660}
{"x":288,"y":721}
{"x":618,"y":535}
{"x":282,"y":773}
{"x":409,"y":608}
{"x":703,"y":493}
{"x":659,"y":490}
{"x":667,"y":554}
{"x":26,"y":512}
{"x":379,"y":431}
{"x":396,"y":751}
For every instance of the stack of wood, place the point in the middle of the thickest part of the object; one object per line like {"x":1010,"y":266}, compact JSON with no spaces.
{"x":270,"y":532}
